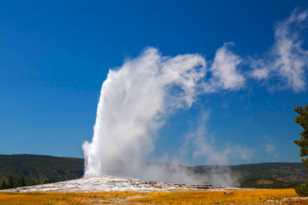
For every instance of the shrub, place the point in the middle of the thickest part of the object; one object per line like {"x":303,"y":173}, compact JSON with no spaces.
{"x":302,"y":189}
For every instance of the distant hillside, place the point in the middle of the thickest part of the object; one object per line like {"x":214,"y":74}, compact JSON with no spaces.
{"x":21,"y":170}
{"x":271,"y":174}
{"x":263,"y":175}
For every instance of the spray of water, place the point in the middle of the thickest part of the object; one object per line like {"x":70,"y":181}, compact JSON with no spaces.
{"x":134,"y":103}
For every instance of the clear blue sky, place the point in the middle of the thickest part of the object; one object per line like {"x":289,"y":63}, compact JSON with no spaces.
{"x":54,"y":56}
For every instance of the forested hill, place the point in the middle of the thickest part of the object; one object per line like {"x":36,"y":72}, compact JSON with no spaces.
{"x":263,"y":175}
{"x":21,"y":170}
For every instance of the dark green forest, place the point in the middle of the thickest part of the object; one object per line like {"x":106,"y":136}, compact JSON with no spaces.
{"x":25,"y":170}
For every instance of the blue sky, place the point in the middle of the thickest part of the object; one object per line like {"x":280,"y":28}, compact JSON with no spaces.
{"x":54,"y":56}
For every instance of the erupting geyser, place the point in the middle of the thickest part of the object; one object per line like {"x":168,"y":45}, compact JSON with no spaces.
{"x":134,"y":102}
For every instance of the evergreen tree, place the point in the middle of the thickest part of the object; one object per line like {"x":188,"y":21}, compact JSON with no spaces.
{"x":23,"y":181}
{"x":3,"y":185}
{"x":11,"y":183}
{"x":302,"y":120}
{"x":302,"y":142}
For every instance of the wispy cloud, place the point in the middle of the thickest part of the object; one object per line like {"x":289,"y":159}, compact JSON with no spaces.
{"x":225,"y":71}
{"x":260,"y":73}
{"x":285,"y":62}
{"x":271,"y":150}
{"x":287,"y":59}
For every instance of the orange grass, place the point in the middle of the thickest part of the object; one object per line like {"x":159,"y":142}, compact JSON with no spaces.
{"x":235,"y":197}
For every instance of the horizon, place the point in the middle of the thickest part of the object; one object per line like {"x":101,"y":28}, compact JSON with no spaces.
{"x":187,"y":165}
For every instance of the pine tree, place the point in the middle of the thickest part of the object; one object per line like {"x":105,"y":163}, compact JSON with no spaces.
{"x":11,"y":183}
{"x":302,"y":142}
{"x":23,"y":181}
{"x":3,"y":185}
{"x":302,"y":120}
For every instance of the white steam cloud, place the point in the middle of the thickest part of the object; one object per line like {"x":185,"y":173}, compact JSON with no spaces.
{"x":137,"y":98}
{"x":134,"y":101}
{"x":225,"y":72}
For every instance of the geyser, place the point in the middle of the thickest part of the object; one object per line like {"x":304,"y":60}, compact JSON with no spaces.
{"x":134,"y":102}
{"x":137,"y":98}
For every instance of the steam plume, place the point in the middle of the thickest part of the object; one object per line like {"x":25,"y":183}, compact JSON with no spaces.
{"x":137,"y":98}
{"x":134,"y":102}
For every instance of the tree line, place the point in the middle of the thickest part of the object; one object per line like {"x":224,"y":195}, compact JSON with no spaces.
{"x":12,"y":182}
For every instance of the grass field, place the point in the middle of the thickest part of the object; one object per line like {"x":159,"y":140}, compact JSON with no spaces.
{"x":235,"y":197}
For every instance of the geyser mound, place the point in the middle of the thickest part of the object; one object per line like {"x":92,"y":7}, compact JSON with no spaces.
{"x":106,"y":184}
{"x":98,"y":184}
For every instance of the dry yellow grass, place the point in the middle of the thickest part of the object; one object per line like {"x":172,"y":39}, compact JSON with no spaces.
{"x":235,"y":197}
